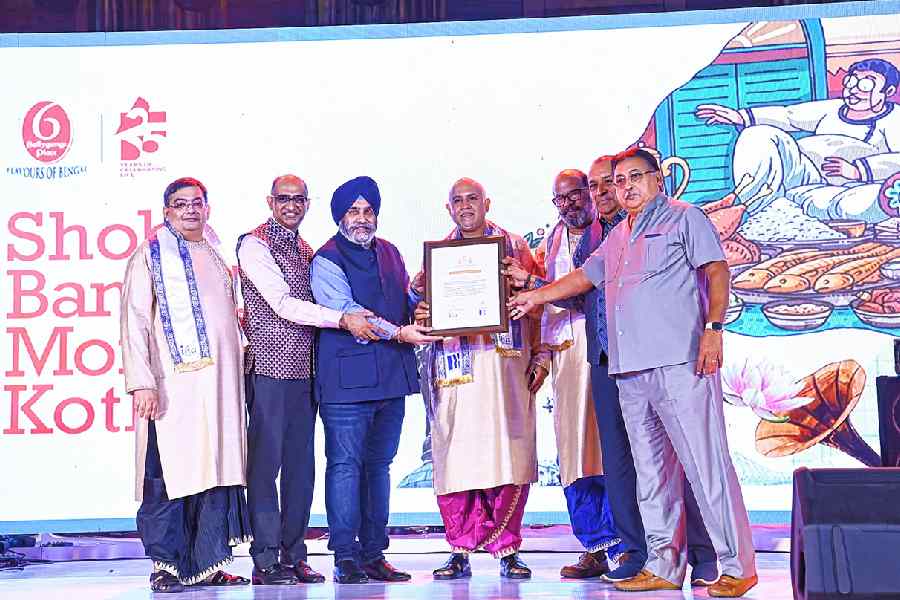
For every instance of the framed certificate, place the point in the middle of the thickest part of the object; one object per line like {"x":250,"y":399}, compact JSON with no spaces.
{"x":465,"y":288}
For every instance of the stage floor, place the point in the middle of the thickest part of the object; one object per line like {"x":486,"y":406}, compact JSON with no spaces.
{"x":127,"y":579}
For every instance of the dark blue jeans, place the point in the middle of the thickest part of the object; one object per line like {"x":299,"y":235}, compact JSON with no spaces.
{"x":280,"y":438}
{"x":361,"y":440}
{"x":621,"y":478}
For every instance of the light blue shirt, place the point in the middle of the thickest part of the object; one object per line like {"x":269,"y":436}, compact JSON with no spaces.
{"x":655,"y":294}
{"x":331,"y":288}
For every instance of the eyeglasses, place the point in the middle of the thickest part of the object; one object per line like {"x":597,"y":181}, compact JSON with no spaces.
{"x":572,"y":197}
{"x":631,"y":179}
{"x":181,"y":206}
{"x":866,"y":84}
{"x":283,"y":199}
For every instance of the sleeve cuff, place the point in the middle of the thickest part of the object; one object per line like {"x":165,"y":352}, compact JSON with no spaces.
{"x":865,"y":170}
{"x":594,"y":270}
{"x":331,"y":318}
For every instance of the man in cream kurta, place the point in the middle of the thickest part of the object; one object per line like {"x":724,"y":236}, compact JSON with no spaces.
{"x":574,"y":418}
{"x":483,"y":424}
{"x":181,"y":350}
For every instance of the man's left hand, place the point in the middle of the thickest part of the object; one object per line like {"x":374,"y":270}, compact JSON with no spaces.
{"x":709,"y":360}
{"x":536,"y":375}
{"x":835,"y":166}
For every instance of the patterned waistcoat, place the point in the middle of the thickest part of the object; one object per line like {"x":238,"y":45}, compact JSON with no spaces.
{"x":279,"y":348}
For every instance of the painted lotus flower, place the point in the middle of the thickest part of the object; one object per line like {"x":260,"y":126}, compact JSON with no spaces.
{"x":764,"y":388}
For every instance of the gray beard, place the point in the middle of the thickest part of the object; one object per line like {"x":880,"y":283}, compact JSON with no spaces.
{"x":585,"y":219}
{"x":346,"y":233}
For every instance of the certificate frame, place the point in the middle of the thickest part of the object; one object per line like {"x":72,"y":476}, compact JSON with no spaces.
{"x":503,"y":287}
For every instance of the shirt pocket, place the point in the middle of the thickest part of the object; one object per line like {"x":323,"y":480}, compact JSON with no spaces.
{"x":656,"y":251}
{"x":357,"y":368}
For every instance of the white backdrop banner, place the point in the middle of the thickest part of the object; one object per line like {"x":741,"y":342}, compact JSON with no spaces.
{"x":92,"y":128}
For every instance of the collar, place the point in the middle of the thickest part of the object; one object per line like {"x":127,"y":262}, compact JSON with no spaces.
{"x":640,"y":222}
{"x":281,"y":231}
{"x":616,"y":219}
{"x":843,"y":110}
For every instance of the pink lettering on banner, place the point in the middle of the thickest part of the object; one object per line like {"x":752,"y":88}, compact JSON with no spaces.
{"x":116,"y":241}
{"x":73,"y":416}
{"x":51,"y":350}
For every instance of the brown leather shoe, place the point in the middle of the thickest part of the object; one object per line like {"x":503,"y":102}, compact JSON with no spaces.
{"x":732,"y":587}
{"x":645,"y":581}
{"x":590,"y":564}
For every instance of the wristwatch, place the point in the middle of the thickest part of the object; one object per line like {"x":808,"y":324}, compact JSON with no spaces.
{"x":714,"y":325}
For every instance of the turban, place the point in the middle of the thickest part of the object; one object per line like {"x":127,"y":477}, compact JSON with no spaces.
{"x":349,"y":192}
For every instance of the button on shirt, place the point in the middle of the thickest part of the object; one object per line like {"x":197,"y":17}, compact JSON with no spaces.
{"x":655,"y":295}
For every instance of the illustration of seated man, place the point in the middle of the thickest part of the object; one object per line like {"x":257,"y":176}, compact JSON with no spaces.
{"x":836,"y":172}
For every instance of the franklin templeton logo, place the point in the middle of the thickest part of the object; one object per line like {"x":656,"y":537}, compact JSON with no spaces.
{"x":141,"y":132}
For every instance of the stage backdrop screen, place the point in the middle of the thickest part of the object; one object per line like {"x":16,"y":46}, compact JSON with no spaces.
{"x":781,"y":124}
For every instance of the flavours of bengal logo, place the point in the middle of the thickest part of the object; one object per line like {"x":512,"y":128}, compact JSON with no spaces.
{"x":140,"y":131}
{"x":47,"y":132}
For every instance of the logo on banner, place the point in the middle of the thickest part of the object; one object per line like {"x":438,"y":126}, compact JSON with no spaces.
{"x":141,"y":132}
{"x":47,"y":136}
{"x":47,"y":131}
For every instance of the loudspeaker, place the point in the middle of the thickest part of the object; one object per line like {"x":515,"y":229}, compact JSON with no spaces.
{"x":845,"y":534}
{"x":888,"y":390}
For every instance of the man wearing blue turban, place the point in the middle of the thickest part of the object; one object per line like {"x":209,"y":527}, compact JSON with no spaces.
{"x":362,"y":383}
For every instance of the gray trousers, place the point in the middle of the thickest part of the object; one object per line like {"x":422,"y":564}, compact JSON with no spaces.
{"x":676,"y":427}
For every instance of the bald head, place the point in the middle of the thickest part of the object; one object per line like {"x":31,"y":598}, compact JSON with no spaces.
{"x":466,"y":183}
{"x":289,"y":178}
{"x":468,"y":206}
{"x":577,"y":176}
{"x":288,"y":201}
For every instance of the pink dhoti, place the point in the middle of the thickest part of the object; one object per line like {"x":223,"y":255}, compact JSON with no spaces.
{"x":488,"y":519}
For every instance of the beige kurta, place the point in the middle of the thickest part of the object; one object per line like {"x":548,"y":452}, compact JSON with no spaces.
{"x":574,"y":420}
{"x":201,"y":431}
{"x":483,"y":433}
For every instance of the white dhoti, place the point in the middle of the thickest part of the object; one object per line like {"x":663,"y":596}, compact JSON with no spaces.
{"x":574,"y":420}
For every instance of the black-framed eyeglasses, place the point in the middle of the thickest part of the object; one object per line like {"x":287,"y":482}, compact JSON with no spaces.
{"x":571,"y":197}
{"x":283,"y":199}
{"x":181,"y":205}
{"x":632,"y":178}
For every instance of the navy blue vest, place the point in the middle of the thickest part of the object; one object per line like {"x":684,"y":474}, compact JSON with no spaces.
{"x":347,"y":371}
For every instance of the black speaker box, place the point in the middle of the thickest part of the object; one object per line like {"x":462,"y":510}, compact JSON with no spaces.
{"x":845,"y":534}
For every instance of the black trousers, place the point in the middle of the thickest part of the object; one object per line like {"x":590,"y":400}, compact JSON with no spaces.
{"x":190,"y":537}
{"x":280,"y":438}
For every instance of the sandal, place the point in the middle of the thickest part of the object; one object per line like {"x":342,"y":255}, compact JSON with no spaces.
{"x":221,"y":578}
{"x":163,"y":582}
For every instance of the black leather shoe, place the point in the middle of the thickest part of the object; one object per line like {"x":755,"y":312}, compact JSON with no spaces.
{"x":277,"y":574}
{"x":456,"y":567}
{"x":163,"y":582}
{"x":305,"y":573}
{"x":382,"y":570}
{"x":347,"y":571}
{"x":512,"y":567}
